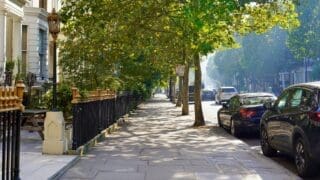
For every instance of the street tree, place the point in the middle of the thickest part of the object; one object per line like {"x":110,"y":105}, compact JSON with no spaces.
{"x":102,"y":37}
{"x":304,"y":41}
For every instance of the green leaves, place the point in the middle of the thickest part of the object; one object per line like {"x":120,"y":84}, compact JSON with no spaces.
{"x":106,"y":39}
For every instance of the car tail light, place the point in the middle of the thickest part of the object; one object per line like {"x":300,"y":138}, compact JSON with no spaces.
{"x":247,"y":113}
{"x":315,"y":116}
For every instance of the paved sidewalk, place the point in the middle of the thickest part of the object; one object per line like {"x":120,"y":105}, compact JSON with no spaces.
{"x":37,"y":166}
{"x":159,"y":144}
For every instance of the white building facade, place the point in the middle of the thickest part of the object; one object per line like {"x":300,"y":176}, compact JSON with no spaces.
{"x":37,"y":54}
{"x":25,"y":38}
{"x":11,"y":16}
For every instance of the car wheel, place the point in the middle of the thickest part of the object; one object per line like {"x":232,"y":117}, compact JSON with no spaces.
{"x":267,"y":150}
{"x":304,"y":164}
{"x":233,"y":129}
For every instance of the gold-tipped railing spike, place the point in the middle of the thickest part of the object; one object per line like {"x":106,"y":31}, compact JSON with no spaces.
{"x":11,"y":97}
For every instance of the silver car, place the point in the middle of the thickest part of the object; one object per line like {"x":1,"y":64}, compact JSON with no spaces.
{"x":225,"y":93}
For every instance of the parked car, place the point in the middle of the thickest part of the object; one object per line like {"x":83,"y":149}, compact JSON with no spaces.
{"x":191,"y":93}
{"x":207,"y":95}
{"x":243,"y":112}
{"x":225,"y":93}
{"x":292,"y":125}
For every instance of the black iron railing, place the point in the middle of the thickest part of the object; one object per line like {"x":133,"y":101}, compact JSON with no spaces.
{"x":10,"y":118}
{"x":90,"y":118}
{"x":10,"y":135}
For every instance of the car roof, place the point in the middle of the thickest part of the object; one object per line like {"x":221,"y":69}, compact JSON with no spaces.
{"x":256,"y":94}
{"x":312,"y":85}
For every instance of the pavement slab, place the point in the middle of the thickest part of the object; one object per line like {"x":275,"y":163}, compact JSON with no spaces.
{"x":157,"y":143}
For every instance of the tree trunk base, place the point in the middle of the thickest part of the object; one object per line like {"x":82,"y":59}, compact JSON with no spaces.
{"x":199,"y":123}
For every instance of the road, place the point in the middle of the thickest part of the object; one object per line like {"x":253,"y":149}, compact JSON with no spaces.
{"x":210,"y":113}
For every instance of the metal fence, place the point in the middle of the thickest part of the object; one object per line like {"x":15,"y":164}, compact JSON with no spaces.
{"x":100,"y":110}
{"x":10,"y":119}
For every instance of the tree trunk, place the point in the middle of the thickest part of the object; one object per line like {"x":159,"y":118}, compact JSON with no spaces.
{"x":170,"y":89}
{"x":173,"y":90}
{"x":199,"y":120}
{"x":180,"y":92}
{"x":185,"y":90}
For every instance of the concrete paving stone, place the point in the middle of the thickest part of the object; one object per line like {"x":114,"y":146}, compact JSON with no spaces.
{"x":275,"y":170}
{"x":126,"y":161}
{"x":119,"y":168}
{"x":168,"y":162}
{"x":269,"y":176}
{"x":120,"y":176}
{"x":80,"y":172}
{"x":169,"y":175}
{"x":208,"y":169}
{"x":161,"y":168}
{"x":217,"y":176}
{"x":199,"y":162}
{"x":87,"y":164}
{"x":229,"y":167}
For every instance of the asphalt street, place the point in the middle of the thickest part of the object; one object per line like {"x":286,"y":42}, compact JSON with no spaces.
{"x":210,"y":113}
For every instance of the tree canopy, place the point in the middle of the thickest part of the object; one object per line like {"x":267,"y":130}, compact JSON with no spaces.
{"x":138,"y":43}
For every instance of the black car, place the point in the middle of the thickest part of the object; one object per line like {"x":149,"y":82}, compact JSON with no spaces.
{"x":292,"y":125}
{"x":207,"y":95}
{"x":243,"y":112}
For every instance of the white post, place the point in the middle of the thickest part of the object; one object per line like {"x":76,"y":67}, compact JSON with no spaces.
{"x":54,"y":134}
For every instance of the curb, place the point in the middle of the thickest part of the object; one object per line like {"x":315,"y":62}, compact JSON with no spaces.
{"x":60,"y":172}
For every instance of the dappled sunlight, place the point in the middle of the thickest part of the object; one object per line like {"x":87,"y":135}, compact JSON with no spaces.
{"x":158,"y":142}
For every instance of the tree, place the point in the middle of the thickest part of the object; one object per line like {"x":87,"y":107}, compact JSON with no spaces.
{"x":304,"y":41}
{"x":102,"y":36}
{"x":211,"y":25}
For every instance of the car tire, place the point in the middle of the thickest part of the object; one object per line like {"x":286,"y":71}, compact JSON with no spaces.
{"x":304,"y":164}
{"x":233,"y":129}
{"x":267,"y":150}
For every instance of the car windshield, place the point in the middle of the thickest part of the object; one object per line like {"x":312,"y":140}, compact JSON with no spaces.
{"x":257,"y":100}
{"x":228,"y":90}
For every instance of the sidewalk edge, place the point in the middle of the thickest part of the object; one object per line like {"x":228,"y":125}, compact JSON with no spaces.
{"x":60,"y":172}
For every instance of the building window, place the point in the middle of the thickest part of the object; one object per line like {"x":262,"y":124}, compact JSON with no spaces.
{"x":42,"y":53}
{"x":24,"y":49}
{"x":43,"y":4}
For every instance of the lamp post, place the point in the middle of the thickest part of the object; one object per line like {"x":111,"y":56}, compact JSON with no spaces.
{"x":54,"y":29}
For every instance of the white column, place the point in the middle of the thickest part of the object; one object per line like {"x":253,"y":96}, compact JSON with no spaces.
{"x":3,"y":40}
{"x":16,"y":40}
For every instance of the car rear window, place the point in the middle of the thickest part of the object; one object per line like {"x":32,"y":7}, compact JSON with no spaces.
{"x":228,"y":90}
{"x":257,"y":100}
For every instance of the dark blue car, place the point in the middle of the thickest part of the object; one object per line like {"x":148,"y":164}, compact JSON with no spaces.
{"x":243,"y":112}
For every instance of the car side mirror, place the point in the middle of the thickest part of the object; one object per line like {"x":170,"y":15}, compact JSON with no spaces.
{"x":268,"y":105}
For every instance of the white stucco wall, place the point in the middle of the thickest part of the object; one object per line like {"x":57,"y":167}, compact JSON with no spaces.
{"x":11,"y":15}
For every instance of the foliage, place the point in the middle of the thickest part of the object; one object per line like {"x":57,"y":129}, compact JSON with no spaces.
{"x":9,"y":65}
{"x":304,"y":41}
{"x":259,"y":60}
{"x":138,"y":43}
{"x":64,"y":98}
{"x":21,"y":74}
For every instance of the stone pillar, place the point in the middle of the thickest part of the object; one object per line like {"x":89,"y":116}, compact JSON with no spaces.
{"x":3,"y":28}
{"x":54,"y":134}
